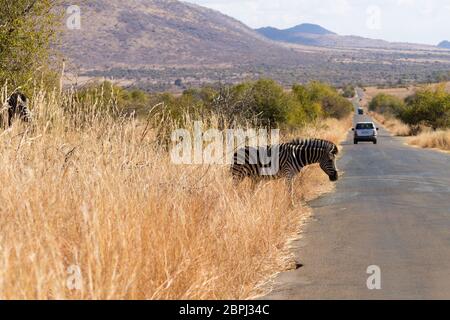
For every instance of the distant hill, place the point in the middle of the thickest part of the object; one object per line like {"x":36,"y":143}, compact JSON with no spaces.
{"x":444,"y":44}
{"x":309,"y":28}
{"x":169,"y":44}
{"x":300,"y":34}
{"x":117,"y":33}
{"x":315,"y":35}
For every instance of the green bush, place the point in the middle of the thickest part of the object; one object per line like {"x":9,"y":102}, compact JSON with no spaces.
{"x":310,"y":109}
{"x":384,"y":103}
{"x":264,"y":102}
{"x":333,"y":104}
{"x":429,"y":107}
{"x":27,"y":31}
{"x":348,"y":91}
{"x":270,"y":102}
{"x":336,"y":106}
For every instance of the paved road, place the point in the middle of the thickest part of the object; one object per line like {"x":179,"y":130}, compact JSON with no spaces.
{"x":391,"y":209}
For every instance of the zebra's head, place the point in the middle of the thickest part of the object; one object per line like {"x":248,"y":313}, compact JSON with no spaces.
{"x":328,"y":162}
{"x":18,"y":106}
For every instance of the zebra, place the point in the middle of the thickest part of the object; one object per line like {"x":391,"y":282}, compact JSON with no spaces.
{"x":16,"y":106}
{"x":292,"y":157}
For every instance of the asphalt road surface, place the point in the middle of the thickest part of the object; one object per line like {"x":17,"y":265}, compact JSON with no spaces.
{"x":391,"y":209}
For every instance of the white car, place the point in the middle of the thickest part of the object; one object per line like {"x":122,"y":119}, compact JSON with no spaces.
{"x":365,"y":131}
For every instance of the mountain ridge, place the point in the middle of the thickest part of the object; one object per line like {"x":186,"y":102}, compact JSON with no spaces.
{"x":444,"y":44}
{"x":160,"y":44}
{"x":162,"y":32}
{"x":301,"y":28}
{"x":315,"y":35}
{"x":297,"y":34}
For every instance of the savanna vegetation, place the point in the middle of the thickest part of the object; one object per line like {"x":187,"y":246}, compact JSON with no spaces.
{"x":387,"y":104}
{"x":94,"y":208}
{"x":425,"y":114}
{"x":264,"y":102}
{"x":28,"y":28}
{"x":349,"y":91}
{"x":103,"y":213}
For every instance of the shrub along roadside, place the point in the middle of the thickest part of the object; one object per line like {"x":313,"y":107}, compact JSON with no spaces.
{"x":428,"y":107}
{"x":348,"y":91}
{"x":264,"y":102}
{"x":425,"y":115}
{"x":384,"y":103}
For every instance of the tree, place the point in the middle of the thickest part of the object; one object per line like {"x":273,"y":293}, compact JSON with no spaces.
{"x":270,"y":102}
{"x":264,"y":101}
{"x":429,"y":107}
{"x":333,"y":104}
{"x":27,"y":30}
{"x":311,"y":110}
{"x":384,"y":103}
{"x":348,"y":91}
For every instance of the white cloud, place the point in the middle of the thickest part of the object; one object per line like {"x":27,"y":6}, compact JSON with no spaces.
{"x":406,"y":2}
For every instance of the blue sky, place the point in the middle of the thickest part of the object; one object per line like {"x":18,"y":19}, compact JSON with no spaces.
{"x":419,"y":21}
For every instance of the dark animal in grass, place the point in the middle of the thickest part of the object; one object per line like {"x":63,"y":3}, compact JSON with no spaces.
{"x":16,"y":107}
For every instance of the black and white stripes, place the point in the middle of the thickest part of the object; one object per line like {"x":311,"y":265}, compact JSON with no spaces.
{"x":16,"y":107}
{"x":290,"y":158}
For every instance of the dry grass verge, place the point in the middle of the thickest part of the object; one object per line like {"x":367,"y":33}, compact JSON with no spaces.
{"x":427,"y":138}
{"x":437,"y":139}
{"x":104,"y":200}
{"x":393,"y":125}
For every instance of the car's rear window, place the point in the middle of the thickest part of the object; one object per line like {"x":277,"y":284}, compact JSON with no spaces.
{"x":361,"y":126}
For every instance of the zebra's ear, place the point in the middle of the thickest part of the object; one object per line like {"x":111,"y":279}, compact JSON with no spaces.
{"x":334,"y":152}
{"x":22,"y":99}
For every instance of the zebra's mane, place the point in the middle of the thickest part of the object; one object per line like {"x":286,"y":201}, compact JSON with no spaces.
{"x":315,"y":143}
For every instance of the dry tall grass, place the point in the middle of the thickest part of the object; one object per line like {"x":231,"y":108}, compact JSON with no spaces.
{"x":105,"y":199}
{"x":432,"y":139}
{"x":426,"y":138}
{"x":393,"y":125}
